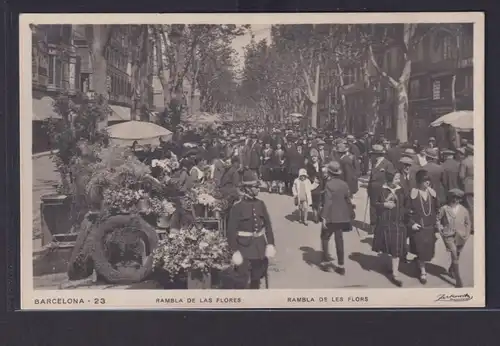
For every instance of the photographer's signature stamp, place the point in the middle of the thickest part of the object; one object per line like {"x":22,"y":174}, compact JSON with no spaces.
{"x":453,"y":297}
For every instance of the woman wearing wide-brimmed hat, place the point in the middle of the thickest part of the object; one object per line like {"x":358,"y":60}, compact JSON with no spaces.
{"x":390,"y":232}
{"x":423,"y":206}
{"x":336,"y":214}
{"x":454,"y":224}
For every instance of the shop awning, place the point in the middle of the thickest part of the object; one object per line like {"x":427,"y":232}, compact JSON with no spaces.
{"x":119,"y":113}
{"x":43,"y":109}
{"x":141,"y":131}
{"x":461,"y":120}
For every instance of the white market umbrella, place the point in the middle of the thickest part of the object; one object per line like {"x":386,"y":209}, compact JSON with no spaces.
{"x":296,"y":115}
{"x":461,"y":120}
{"x":141,"y":131}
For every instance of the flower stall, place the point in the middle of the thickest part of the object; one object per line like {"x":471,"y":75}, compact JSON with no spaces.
{"x":192,"y":255}
{"x":134,"y":208}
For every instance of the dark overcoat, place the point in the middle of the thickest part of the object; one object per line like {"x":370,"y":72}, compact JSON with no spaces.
{"x":436,"y":175}
{"x":250,"y":215}
{"x":451,"y":172}
{"x":349,"y":172}
{"x":337,"y":206}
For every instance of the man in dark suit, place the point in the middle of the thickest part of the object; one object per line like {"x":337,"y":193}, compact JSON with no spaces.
{"x":394,"y":153}
{"x":407,"y":183}
{"x":451,"y":169}
{"x":254,"y":154}
{"x":436,"y":173}
{"x":367,"y":142}
{"x":336,"y":214}
{"x":377,"y":178}
{"x":407,"y":180}
{"x":322,"y":153}
{"x":349,"y":167}
{"x":353,"y":147}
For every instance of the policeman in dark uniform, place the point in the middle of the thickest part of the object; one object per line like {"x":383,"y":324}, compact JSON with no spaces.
{"x":250,"y":235}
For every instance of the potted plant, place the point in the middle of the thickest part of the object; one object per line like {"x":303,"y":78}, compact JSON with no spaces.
{"x":75,"y":127}
{"x":192,"y":253}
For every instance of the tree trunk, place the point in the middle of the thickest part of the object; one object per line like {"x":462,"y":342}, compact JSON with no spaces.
{"x":314,"y":100}
{"x":99,"y":36}
{"x":341,"y":121}
{"x":314,"y":115}
{"x":372,"y":100}
{"x":402,"y":113}
{"x":453,"y":92}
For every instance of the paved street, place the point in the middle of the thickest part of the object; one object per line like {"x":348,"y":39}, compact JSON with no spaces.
{"x":298,"y":246}
{"x":296,"y":264}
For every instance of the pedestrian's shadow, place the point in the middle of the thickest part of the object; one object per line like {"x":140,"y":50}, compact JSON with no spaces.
{"x":293,"y":217}
{"x":439,"y":272}
{"x":367,"y":240}
{"x":362,"y":226}
{"x":312,"y":257}
{"x":371,"y":263}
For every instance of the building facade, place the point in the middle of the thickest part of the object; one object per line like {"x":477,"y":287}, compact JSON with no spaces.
{"x":55,"y":68}
{"x":118,"y":70}
{"x":441,"y":81}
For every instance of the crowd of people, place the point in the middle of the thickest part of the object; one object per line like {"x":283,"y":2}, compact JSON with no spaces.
{"x":416,"y":192}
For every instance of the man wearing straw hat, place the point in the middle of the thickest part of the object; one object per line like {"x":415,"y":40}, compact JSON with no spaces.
{"x":250,"y":235}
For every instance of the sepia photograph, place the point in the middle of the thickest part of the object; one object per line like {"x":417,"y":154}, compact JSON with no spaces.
{"x":284,"y":161}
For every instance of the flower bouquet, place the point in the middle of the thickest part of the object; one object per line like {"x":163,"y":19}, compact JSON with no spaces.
{"x":122,"y":200}
{"x":207,"y":198}
{"x":191,"y":251}
{"x":220,"y":205}
{"x":159,"y":207}
{"x":167,"y":165}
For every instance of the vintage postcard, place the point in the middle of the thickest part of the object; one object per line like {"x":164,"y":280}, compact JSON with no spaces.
{"x":227,"y":161}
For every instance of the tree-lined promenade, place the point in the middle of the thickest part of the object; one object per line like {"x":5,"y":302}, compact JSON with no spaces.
{"x":303,"y":68}
{"x":288,"y":74}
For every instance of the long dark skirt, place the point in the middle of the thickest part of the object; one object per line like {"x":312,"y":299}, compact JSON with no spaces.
{"x":316,"y":198}
{"x":423,"y":243}
{"x":390,"y":239}
{"x":278,"y":174}
{"x":266,"y":173}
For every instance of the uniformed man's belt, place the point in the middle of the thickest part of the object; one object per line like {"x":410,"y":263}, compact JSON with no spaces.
{"x":251,"y":234}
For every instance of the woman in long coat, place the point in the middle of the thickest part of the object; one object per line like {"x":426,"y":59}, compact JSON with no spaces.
{"x":279,"y":168}
{"x":267,"y":164}
{"x":423,"y":207}
{"x":390,"y":232}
